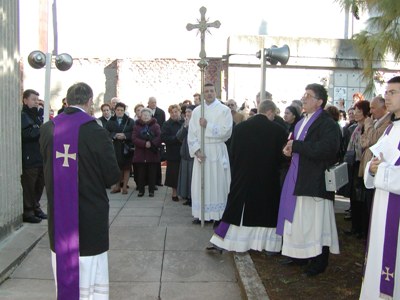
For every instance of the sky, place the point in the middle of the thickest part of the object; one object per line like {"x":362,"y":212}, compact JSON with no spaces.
{"x":157,"y":28}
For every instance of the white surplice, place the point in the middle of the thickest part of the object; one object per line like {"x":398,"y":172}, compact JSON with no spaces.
{"x":243,"y":238}
{"x":313,"y":226}
{"x":217,"y":173}
{"x":93,"y":276}
{"x":386,"y":180}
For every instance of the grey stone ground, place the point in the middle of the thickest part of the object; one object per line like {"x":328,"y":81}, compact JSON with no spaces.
{"x":155,"y":253}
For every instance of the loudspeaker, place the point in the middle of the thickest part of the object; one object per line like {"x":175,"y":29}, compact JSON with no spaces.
{"x":271,"y":60}
{"x":64,"y":61}
{"x":275,"y":54}
{"x":37,"y":59}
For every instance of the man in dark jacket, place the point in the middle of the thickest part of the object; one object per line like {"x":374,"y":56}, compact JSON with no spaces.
{"x":79,"y":163}
{"x":32,"y":180}
{"x":251,"y":212}
{"x":306,"y":215}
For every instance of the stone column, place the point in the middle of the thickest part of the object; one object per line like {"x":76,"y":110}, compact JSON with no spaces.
{"x":10,"y":119}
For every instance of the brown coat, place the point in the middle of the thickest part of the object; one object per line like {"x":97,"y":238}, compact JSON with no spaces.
{"x":370,"y":136}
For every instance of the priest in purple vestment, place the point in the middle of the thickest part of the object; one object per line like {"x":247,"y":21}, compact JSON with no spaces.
{"x":79,"y":164}
{"x":306,"y":218}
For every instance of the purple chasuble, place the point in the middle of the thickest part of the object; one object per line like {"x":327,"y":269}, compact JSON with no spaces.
{"x":288,"y":198}
{"x":66,"y":202}
{"x":390,"y":241}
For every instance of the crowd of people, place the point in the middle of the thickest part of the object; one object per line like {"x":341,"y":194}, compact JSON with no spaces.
{"x":264,"y":175}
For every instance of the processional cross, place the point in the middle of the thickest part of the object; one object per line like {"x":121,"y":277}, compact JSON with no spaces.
{"x":203,"y":27}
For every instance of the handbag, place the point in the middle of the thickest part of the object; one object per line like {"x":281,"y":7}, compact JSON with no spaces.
{"x":336,"y":176}
{"x":127,"y":149}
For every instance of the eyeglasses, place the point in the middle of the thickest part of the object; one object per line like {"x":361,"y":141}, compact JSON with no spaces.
{"x":391,"y":92}
{"x":308,"y":96}
{"x":231,"y":105}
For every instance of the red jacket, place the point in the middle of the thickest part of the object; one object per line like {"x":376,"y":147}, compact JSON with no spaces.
{"x":146,"y":132}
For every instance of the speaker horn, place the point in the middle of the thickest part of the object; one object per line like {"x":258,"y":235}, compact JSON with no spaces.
{"x":271,"y":60}
{"x":37,"y":59}
{"x":64,"y":61}
{"x":275,"y":54}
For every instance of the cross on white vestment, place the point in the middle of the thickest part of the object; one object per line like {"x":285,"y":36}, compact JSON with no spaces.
{"x":203,"y":27}
{"x":66,"y":155}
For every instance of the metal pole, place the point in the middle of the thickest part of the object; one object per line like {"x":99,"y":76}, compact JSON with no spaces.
{"x":202,"y":64}
{"x":47,"y":88}
{"x":263,"y":69}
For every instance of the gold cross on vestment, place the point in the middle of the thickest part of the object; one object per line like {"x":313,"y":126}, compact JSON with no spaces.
{"x":387,"y":274}
{"x":203,"y":26}
{"x":66,"y":155}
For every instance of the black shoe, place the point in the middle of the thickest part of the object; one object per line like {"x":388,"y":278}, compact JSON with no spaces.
{"x":318,"y":264}
{"x":32,"y":219}
{"x":175,"y":198}
{"x":40,"y":214}
{"x":347,"y":217}
{"x":293,"y":261}
{"x":214,"y":249}
{"x":313,"y":270}
{"x":151,"y":194}
{"x":156,"y":188}
{"x":349,"y":232}
{"x":196,"y":221}
{"x":159,"y":184}
{"x":141,"y":194}
{"x":187,"y":202}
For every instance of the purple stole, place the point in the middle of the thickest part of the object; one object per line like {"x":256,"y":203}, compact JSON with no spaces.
{"x":390,"y":242}
{"x":66,"y":202}
{"x":222,"y":229}
{"x":288,"y":198}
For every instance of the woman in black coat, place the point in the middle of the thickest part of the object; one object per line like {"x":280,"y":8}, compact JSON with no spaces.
{"x":173,"y":146}
{"x":120,"y":127}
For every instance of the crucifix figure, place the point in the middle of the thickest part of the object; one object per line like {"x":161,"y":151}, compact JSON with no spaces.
{"x":66,"y":155}
{"x":203,"y":26}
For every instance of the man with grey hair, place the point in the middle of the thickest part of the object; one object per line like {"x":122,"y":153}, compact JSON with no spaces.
{"x":79,"y":164}
{"x":237,"y":117}
{"x":250,"y":217}
{"x":271,"y":109}
{"x":113,"y":102}
{"x":374,"y":127}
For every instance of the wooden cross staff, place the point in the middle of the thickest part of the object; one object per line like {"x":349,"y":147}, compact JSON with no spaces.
{"x":203,"y":27}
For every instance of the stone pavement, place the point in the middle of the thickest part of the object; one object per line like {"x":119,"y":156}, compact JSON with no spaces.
{"x":155,"y":253}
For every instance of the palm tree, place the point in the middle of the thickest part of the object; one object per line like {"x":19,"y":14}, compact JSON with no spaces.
{"x":381,"y":36}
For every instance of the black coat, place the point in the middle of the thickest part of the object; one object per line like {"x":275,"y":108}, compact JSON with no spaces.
{"x":126,"y":127}
{"x":104,"y":121}
{"x":256,"y":149}
{"x":318,"y":151}
{"x":159,"y":115}
{"x":97,"y":170}
{"x":172,"y":143}
{"x":30,"y":133}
